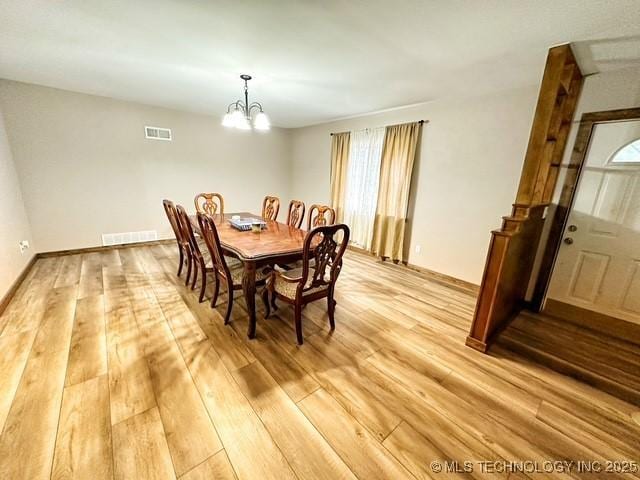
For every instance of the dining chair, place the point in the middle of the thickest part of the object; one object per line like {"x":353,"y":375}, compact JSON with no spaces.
{"x":270,"y":207}
{"x":200,"y":261}
{"x":296,"y":213}
{"x":226,"y":269}
{"x":183,"y":243}
{"x":320,"y":215}
{"x":210,"y":203}
{"x":325,"y":246}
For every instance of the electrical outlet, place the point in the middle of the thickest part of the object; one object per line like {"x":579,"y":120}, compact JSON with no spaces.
{"x":24,"y":246}
{"x":418,"y":248}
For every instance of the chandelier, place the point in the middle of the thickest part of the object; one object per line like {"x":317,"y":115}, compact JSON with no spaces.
{"x":239,"y":113}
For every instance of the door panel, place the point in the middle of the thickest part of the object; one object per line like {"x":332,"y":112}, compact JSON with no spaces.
{"x":588,"y":276}
{"x":631,"y":294}
{"x":610,"y":203}
{"x":598,"y":264}
{"x":632,"y":216}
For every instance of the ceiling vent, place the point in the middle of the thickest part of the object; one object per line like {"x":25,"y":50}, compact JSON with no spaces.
{"x":157,"y":133}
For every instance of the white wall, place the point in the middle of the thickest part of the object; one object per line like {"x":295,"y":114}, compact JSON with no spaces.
{"x":466,"y":175}
{"x":86,"y":168}
{"x":14,"y":225}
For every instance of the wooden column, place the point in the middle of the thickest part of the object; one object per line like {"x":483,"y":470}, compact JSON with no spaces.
{"x":513,"y":247}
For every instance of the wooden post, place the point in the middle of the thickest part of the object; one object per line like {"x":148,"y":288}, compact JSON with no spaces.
{"x":513,"y":247}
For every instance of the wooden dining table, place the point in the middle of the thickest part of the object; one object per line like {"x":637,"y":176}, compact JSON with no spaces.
{"x":278,"y":243}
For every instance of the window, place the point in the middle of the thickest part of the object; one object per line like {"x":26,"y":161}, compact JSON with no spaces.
{"x":361,"y":191}
{"x":627,"y":155}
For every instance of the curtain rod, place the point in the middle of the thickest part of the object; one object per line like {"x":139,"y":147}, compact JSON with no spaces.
{"x":419,"y":121}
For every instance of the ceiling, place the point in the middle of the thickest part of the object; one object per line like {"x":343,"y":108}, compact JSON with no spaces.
{"x":312,"y":61}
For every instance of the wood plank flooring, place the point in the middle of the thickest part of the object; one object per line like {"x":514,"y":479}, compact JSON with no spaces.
{"x":110,"y":368}
{"x":606,"y":362}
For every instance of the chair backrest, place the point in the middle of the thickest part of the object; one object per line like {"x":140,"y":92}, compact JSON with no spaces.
{"x":320,"y":215}
{"x":187,"y":232}
{"x":170,"y":210}
{"x":326,"y":246}
{"x":209,"y":203}
{"x":270,"y":207}
{"x":296,"y":213}
{"x":209,"y":233}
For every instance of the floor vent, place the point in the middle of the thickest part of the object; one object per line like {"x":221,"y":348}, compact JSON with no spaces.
{"x":128,"y":237}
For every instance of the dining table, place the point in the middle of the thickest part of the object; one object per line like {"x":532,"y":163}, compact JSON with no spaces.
{"x":276,"y":243}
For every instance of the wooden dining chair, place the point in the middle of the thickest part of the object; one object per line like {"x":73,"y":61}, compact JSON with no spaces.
{"x":226,"y":269}
{"x":209,"y":203}
{"x":199,"y":260}
{"x":320,"y":215}
{"x":183,"y":243}
{"x":296,"y":213}
{"x":323,"y":249}
{"x":270,"y":207}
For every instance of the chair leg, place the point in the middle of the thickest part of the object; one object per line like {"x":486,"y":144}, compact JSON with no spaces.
{"x":204,"y":283}
{"x":189,"y":268}
{"x":216,"y":288}
{"x":195,"y":275}
{"x":331,"y":307}
{"x":227,"y":317}
{"x":298,"y":317}
{"x":265,"y":300}
{"x":273,"y":301}
{"x":181,"y":264}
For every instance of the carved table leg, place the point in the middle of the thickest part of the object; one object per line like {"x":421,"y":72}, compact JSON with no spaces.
{"x":249,"y":289}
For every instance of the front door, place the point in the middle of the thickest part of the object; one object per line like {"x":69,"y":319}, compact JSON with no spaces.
{"x":598,"y":264}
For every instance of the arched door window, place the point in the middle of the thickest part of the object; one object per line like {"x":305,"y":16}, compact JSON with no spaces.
{"x":627,"y":155}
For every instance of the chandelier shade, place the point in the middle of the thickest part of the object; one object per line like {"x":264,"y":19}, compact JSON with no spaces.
{"x":261,"y":122}
{"x":240,"y":114}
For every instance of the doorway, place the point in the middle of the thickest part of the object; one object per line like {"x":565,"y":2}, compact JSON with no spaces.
{"x":596,"y":273}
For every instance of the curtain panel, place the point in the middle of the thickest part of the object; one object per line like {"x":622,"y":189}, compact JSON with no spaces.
{"x":398,"y":158}
{"x":339,"y":163}
{"x":361,"y":191}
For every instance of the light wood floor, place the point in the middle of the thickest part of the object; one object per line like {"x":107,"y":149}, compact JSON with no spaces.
{"x":110,"y":368}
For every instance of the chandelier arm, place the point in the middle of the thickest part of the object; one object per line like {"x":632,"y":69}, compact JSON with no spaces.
{"x":240,"y":105}
{"x":231,"y":105}
{"x":255,"y":105}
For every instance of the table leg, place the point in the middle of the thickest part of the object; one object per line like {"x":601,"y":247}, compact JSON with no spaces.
{"x":249,"y":289}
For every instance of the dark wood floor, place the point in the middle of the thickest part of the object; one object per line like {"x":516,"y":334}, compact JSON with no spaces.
{"x":110,"y":368}
{"x":607,"y":363}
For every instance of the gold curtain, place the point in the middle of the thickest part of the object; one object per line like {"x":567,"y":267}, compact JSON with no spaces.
{"x":339,"y":160}
{"x":398,"y":157}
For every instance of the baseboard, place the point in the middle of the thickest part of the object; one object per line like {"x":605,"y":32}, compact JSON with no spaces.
{"x":75,"y":251}
{"x":6,"y":299}
{"x":361,"y":251}
{"x":444,"y":278}
{"x":598,"y":322}
{"x":448,"y":280}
